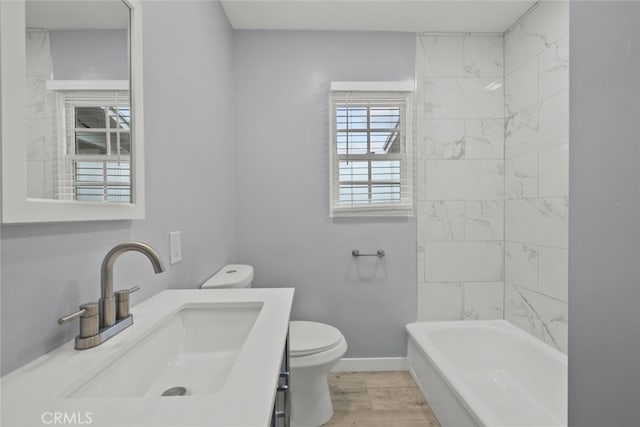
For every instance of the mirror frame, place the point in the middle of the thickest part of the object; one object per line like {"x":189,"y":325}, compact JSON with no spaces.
{"x":16,"y":206}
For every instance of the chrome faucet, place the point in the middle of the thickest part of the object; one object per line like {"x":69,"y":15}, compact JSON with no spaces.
{"x":107,"y":297}
{"x":104,"y":319}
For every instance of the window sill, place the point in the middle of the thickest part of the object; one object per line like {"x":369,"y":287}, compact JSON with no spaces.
{"x":369,"y":211}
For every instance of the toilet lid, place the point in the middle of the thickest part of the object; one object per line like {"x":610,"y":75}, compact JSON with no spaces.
{"x":307,"y":338}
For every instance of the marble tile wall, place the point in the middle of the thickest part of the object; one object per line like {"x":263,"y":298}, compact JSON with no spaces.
{"x":460,"y":168}
{"x":40,"y":112}
{"x":492,"y":170}
{"x":536,"y":173}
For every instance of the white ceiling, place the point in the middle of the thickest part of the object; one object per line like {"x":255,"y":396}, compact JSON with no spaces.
{"x":377,"y":15}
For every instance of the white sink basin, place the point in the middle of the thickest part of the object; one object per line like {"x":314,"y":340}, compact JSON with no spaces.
{"x":194,"y":349}
{"x":223,"y":346}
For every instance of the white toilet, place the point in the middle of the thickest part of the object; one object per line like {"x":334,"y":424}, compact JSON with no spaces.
{"x":314,"y":348}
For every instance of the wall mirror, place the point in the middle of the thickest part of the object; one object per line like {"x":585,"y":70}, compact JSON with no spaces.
{"x":72,"y":120}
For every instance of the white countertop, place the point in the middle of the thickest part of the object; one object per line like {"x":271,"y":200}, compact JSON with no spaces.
{"x":37,"y":389}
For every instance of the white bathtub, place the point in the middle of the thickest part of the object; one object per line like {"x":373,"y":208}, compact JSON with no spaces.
{"x":488,"y":373}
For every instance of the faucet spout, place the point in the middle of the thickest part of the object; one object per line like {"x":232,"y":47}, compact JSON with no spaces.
{"x":107,"y":299}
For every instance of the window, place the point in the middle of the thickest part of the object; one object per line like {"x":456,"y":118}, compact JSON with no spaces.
{"x":96,"y":156}
{"x":371,"y":149}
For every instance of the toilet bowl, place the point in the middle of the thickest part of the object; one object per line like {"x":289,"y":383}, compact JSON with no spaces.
{"x":314,"y":349}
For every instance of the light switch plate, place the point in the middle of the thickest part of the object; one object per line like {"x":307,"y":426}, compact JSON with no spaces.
{"x":176,"y":247}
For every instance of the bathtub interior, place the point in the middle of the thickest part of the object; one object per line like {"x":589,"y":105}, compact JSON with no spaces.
{"x":501,"y":375}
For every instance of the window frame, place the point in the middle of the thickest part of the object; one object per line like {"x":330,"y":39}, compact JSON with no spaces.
{"x":399,"y":94}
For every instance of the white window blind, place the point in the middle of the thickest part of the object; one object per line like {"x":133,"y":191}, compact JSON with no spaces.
{"x":371,"y":152}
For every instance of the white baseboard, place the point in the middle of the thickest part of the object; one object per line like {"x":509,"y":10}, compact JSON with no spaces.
{"x":359,"y":364}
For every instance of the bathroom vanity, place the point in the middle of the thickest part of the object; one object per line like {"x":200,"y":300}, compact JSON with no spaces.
{"x":192,"y":357}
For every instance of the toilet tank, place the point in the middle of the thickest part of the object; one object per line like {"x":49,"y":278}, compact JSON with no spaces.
{"x":230,"y":276}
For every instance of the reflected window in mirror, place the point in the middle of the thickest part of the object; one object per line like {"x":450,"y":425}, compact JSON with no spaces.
{"x":96,"y":146}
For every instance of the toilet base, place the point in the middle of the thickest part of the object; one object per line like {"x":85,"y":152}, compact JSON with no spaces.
{"x":310,"y":399}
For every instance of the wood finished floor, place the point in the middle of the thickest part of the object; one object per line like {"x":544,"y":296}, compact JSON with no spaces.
{"x":377,"y":399}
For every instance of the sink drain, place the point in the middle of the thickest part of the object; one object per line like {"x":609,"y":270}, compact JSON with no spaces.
{"x":175,"y":391}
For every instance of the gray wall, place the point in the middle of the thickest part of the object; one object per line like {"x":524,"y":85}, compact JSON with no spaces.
{"x":283,"y":226}
{"x":89,"y":54}
{"x":49,"y":269}
{"x":604,"y":233}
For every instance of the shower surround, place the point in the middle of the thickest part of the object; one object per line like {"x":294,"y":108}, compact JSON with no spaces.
{"x":460,"y":139}
{"x":492,"y":149}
